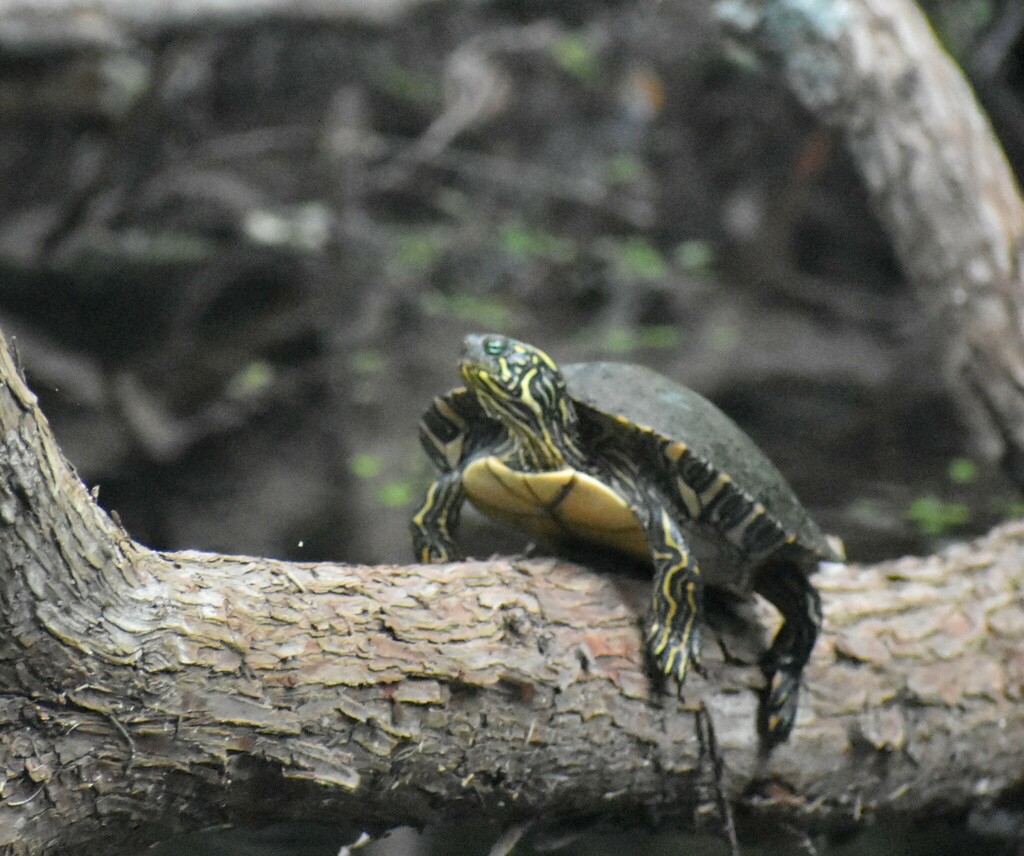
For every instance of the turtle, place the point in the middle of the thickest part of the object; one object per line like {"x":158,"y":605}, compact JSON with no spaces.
{"x":620,"y":456}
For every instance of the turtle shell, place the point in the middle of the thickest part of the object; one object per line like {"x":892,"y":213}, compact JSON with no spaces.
{"x":631,"y":397}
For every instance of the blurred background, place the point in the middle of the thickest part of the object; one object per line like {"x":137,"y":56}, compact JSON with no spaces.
{"x":238,"y":254}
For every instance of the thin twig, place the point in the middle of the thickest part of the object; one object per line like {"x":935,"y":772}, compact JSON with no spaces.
{"x":706,"y":732}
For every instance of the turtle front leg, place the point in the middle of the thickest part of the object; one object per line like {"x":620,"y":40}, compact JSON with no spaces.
{"x":677,"y":600}
{"x":431,"y":526}
{"x":789,"y":590}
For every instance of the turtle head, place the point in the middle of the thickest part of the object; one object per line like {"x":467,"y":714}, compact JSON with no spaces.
{"x":521,"y":387}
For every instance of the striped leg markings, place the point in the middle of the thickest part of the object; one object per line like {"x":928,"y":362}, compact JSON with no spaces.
{"x":451,"y":431}
{"x":673,"y":637}
{"x":789,"y":590}
{"x":431,"y":526}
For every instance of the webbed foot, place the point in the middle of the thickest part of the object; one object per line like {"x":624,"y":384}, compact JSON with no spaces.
{"x":788,"y":588}
{"x":673,"y":651}
{"x":433,"y":551}
{"x":777,"y":712}
{"x":677,"y":599}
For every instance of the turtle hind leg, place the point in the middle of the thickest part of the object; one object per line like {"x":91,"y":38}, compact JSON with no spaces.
{"x":786,"y":586}
{"x":672,"y":625}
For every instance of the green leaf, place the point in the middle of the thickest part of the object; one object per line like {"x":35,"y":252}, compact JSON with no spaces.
{"x":418,"y":252}
{"x":251,"y":380}
{"x":962,"y":470}
{"x":625,"y":340}
{"x":1011,"y":509}
{"x":364,"y":465}
{"x":640,"y":260}
{"x":575,"y":56}
{"x":518,"y":241}
{"x":934,"y":516}
{"x":695,"y":256}
{"x":395,"y":494}
{"x":621,"y":341}
{"x":367,"y":362}
{"x":659,"y":336}
{"x":408,"y":85}
{"x":484,"y":311}
{"x":525,"y":243}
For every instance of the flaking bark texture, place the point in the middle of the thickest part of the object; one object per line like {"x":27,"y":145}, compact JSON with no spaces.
{"x":146,"y":693}
{"x":149,"y":692}
{"x":186,"y":690}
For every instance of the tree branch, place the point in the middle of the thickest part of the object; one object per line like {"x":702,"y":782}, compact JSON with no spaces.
{"x":190,"y":689}
{"x":936,"y":174}
{"x":25,"y":20}
{"x":144,"y":689}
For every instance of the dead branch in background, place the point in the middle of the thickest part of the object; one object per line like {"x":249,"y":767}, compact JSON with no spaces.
{"x":147,"y":690}
{"x":935,"y":171}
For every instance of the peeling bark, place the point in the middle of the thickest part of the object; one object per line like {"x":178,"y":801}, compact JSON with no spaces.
{"x":148,"y":691}
{"x":189,"y":689}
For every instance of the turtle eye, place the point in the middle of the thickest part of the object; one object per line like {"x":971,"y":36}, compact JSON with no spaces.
{"x":494,"y":347}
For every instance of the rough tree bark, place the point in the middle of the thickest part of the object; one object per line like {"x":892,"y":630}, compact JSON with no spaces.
{"x":148,"y":692}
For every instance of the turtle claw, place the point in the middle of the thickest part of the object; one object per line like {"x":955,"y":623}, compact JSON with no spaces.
{"x":778,"y":707}
{"x":674,"y":652}
{"x":432,"y":551}
{"x":436,"y":554}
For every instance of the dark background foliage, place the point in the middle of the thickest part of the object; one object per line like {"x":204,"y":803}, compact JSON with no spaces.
{"x":237,"y":261}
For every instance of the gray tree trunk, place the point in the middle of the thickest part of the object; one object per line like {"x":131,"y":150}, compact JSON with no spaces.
{"x":938,"y":179}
